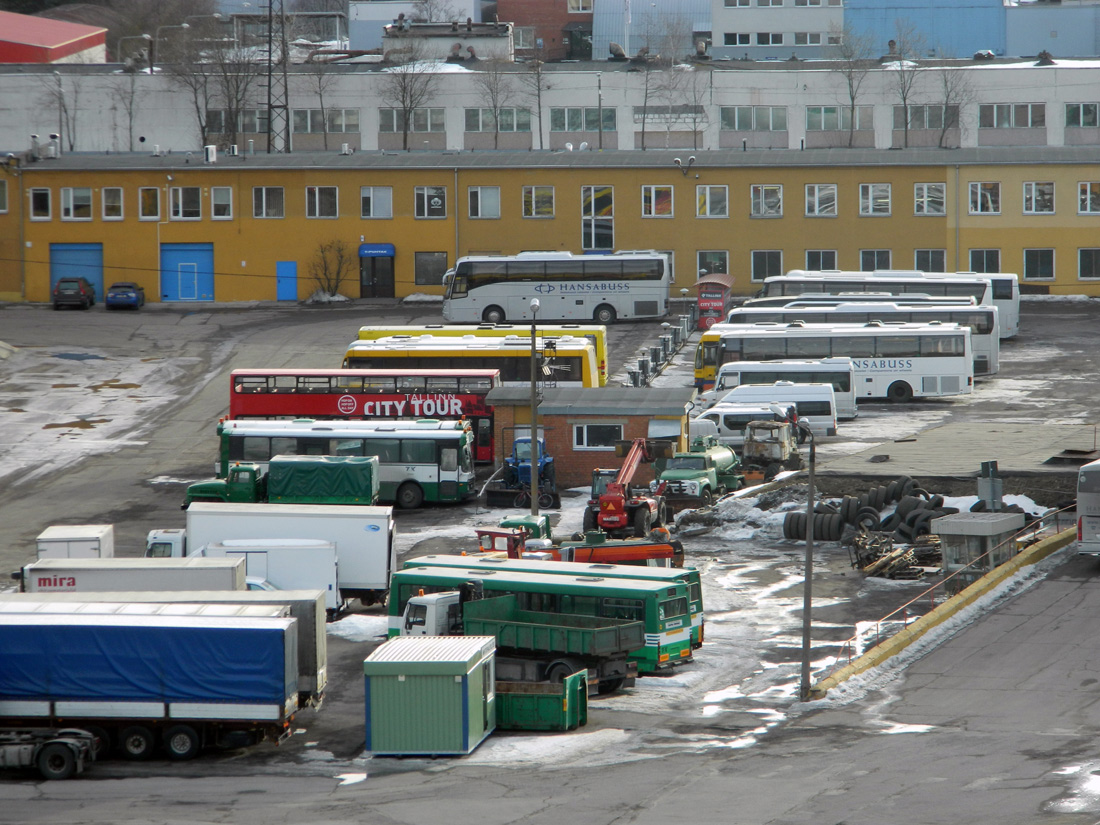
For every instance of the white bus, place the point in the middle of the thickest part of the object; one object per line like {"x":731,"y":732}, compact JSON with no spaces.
{"x":980,"y":287}
{"x":982,"y":321}
{"x":814,"y":403}
{"x":495,"y":289}
{"x":822,"y":299}
{"x":1088,"y":509}
{"x":838,"y":372}
{"x":896,"y":361}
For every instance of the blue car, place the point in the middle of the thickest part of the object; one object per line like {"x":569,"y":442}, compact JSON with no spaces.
{"x":125,"y":294}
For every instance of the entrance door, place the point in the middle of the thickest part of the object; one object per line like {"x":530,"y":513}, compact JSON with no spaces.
{"x":286,"y":280}
{"x":376,"y":277}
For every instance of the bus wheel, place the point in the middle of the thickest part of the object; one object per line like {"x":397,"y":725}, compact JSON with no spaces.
{"x":604,"y":314}
{"x":900,"y":391}
{"x":493,"y":315}
{"x":409,"y":496}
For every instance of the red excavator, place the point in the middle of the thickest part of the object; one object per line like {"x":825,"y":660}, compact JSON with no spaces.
{"x":617,"y":508}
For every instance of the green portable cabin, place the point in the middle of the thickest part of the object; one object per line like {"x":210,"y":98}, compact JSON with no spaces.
{"x":430,"y":695}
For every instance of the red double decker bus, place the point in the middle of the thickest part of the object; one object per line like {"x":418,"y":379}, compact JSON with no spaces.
{"x":368,"y":394}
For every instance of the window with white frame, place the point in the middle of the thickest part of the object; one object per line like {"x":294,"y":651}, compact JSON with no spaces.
{"x":807,"y":38}
{"x":3,"y":196}
{"x":767,"y":200}
{"x":1083,"y":114}
{"x":40,"y":204}
{"x":1038,"y":264}
{"x":712,"y":201}
{"x":1088,"y":263}
{"x":712,"y":261}
{"x":929,"y":198}
{"x":821,"y":200}
{"x":1088,"y":198}
{"x":254,"y":121}
{"x":753,"y":118}
{"x":430,"y":202}
{"x":376,"y":202}
{"x":927,"y":117}
{"x":579,"y":6}
{"x":524,"y":37}
{"x":582,"y":119}
{"x":421,"y":120}
{"x":313,"y":121}
{"x":185,"y":203}
{"x":112,"y":203}
{"x":819,"y":259}
{"x":1012,"y":115}
{"x":736,"y":39}
{"x":538,"y":201}
{"x":148,"y":203}
{"x":769,"y":2}
{"x":221,"y":203}
{"x":484,"y":202}
{"x":732,"y":4}
{"x":838,"y":118}
{"x":985,"y":198}
{"x":769,"y":38}
{"x":510,"y":120}
{"x":834,"y":38}
{"x":766,"y":263}
{"x":1039,"y":197}
{"x":657,"y":202}
{"x":930,"y":260}
{"x":985,"y":260}
{"x":267,"y":202}
{"x":594,"y":436}
{"x":874,"y":199}
{"x":872,"y":259}
{"x":322,"y":202}
{"x":597,"y":217}
{"x":76,"y":203}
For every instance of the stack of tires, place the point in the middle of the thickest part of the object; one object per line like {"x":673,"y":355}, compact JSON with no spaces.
{"x":828,"y":525}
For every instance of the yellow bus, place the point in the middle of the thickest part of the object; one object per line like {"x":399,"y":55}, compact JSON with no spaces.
{"x":595,"y":333}
{"x":565,"y":361}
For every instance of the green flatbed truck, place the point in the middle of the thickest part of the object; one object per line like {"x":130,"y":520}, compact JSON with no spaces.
{"x":295,"y":479}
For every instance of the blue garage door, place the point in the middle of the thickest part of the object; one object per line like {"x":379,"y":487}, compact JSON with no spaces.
{"x":187,"y":272}
{"x":77,"y":260}
{"x":286,"y":280}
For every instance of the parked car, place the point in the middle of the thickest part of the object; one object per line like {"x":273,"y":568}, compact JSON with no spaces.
{"x":73,"y":292}
{"x":125,"y":294}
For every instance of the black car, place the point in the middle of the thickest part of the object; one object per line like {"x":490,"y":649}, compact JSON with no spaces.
{"x":75,"y":292}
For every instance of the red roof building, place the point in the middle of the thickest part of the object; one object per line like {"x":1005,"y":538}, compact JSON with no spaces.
{"x":27,"y":39}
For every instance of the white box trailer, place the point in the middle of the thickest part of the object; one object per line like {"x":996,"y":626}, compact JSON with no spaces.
{"x":75,"y":575}
{"x":363,"y":535}
{"x":77,"y":541}
{"x":288,"y":564}
{"x":307,"y":606}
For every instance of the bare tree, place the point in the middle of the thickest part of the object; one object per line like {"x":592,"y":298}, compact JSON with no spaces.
{"x":671,"y":75}
{"x":63,"y":93}
{"x":126,"y":95}
{"x":497,"y":91}
{"x":434,"y":11}
{"x":955,"y":93}
{"x":333,"y":262}
{"x":131,"y":18}
{"x":854,"y":57}
{"x":905,"y":51}
{"x":319,"y":77}
{"x":534,"y":82}
{"x":408,"y":86}
{"x":696,"y":91}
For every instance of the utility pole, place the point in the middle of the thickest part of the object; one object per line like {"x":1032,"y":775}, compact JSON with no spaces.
{"x":534,"y":412}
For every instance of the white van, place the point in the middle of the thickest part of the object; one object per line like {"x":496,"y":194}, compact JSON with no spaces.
{"x":731,"y":420}
{"x":815,"y":403}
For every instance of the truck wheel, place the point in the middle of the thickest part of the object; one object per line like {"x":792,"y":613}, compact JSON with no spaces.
{"x":181,"y":742}
{"x":641,"y":522}
{"x":136,"y":742}
{"x":409,"y":496}
{"x":589,"y":522}
{"x":56,"y":761}
{"x":706,"y":499}
{"x":101,"y":740}
{"x":559,"y":670}
{"x":607,"y":686}
{"x":771,"y":471}
{"x":662,"y":514}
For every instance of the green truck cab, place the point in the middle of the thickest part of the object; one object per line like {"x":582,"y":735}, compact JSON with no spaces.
{"x":696,"y":478}
{"x":295,"y":479}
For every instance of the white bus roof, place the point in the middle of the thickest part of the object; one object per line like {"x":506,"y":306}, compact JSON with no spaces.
{"x":869,"y":328}
{"x":834,"y":361}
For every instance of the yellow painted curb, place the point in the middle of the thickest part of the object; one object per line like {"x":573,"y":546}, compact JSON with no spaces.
{"x":937,"y":615}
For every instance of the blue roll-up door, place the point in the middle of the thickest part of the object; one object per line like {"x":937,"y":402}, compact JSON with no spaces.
{"x":286,"y":280}
{"x":77,"y":260}
{"x":187,"y":272}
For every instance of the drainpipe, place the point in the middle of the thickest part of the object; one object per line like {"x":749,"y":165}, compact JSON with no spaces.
{"x":958,"y":218}
{"x":458,"y":207}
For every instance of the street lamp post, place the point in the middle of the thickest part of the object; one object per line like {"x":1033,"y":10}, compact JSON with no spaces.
{"x":156,"y":42}
{"x":807,"y":586}
{"x":534,"y":413}
{"x":599,"y":103}
{"x":119,"y":56}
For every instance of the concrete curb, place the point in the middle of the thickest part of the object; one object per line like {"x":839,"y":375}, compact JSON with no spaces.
{"x":901,"y":640}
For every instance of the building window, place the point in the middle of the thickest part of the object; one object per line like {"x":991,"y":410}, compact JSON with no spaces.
{"x":736,"y":39}
{"x":597,"y":217}
{"x":322,"y":202}
{"x":221,"y":203}
{"x":579,"y":6}
{"x":1012,"y":115}
{"x":838,"y":118}
{"x":733,"y":4}
{"x":577,"y":119}
{"x":484,"y":201}
{"x":538,"y":201}
{"x":429,"y":268}
{"x":267,"y":201}
{"x":1088,"y":263}
{"x":985,"y":260}
{"x":1039,"y":264}
{"x":185,"y":203}
{"x":769,"y":38}
{"x":149,"y":203}
{"x":821,"y":200}
{"x":874,"y":199}
{"x":754,"y":118}
{"x":76,"y":203}
{"x":375,"y":202}
{"x":767,"y":200}
{"x":819,"y":259}
{"x":254,"y":121}
{"x":872,"y":259}
{"x":927,"y":117}
{"x":712,"y":261}
{"x":524,"y":37}
{"x":930,"y":260}
{"x":596,"y":436}
{"x":112,"y":203}
{"x":807,"y":38}
{"x":1039,"y":198}
{"x":3,"y":196}
{"x":766,"y":262}
{"x":985,"y":198}
{"x":511,"y":120}
{"x":1082,"y":114}
{"x":769,"y":2}
{"x":929,"y":198}
{"x":712,"y":202}
{"x":656,"y":201}
{"x":423,"y":120}
{"x":1088,"y":198}
{"x":312,"y":121}
{"x":40,"y":205}
{"x":808,"y":3}
{"x":431,"y":202}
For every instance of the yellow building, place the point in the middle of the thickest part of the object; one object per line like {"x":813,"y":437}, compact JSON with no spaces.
{"x":263,"y":227}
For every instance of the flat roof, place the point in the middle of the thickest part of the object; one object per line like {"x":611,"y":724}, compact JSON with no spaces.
{"x":599,"y":400}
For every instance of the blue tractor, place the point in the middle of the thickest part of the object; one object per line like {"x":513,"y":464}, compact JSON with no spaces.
{"x":513,"y":490}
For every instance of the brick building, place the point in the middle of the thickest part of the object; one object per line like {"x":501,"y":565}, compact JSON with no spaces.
{"x":564,"y":28}
{"x":582,"y":425}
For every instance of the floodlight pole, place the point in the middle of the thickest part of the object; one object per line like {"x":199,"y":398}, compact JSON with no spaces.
{"x":807,"y":588}
{"x":534,"y":412}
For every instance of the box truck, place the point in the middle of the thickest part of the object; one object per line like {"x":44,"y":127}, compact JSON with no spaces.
{"x":306,"y":606}
{"x":364,"y":537}
{"x":134,"y":682}
{"x":75,"y":575}
{"x":77,"y":541}
{"x":286,"y":563}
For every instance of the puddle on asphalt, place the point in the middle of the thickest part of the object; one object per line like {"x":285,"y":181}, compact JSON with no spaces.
{"x":79,"y":356}
{"x":113,"y":384}
{"x":62,"y":386}
{"x":83,"y":424}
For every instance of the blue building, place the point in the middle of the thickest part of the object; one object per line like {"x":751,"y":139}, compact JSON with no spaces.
{"x":948,"y":28}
